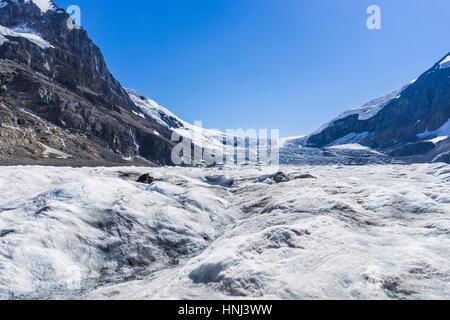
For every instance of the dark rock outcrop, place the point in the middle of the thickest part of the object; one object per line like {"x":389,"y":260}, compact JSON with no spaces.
{"x":413,"y":148}
{"x":146,"y":178}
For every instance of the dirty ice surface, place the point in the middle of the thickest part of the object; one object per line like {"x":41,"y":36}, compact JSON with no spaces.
{"x":322,"y":232}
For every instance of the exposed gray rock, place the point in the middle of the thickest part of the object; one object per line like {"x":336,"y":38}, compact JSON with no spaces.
{"x":146,"y":178}
{"x":280,"y":177}
{"x":415,"y":148}
{"x":305,"y":176}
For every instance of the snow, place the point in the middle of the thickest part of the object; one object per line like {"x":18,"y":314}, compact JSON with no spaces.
{"x":354,"y":232}
{"x":43,"y":5}
{"x":138,"y":114}
{"x":353,"y":146}
{"x":211,"y":138}
{"x":351,"y":138}
{"x":21,"y":32}
{"x":292,"y":140}
{"x":151,"y":109}
{"x":441,"y":132}
{"x":444,"y":64}
{"x":53,"y":153}
{"x":439,"y":139}
{"x":2,"y":40}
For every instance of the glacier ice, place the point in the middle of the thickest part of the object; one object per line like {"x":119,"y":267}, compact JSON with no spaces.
{"x":354,"y":232}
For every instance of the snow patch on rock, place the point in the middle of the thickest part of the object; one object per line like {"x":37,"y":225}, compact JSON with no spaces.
{"x":354,"y":146}
{"x":443,"y":131}
{"x":444,"y":64}
{"x":44,"y":5}
{"x":210,"y":138}
{"x":351,"y":138}
{"x":354,"y":232}
{"x":26,"y":33}
{"x":53,"y":153}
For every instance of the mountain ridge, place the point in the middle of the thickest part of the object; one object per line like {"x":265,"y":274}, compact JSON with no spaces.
{"x":59,"y":75}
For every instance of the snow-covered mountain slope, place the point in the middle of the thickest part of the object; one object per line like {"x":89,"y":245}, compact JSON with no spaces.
{"x":347,"y":232}
{"x":369,"y":109}
{"x":293,"y":141}
{"x":153,"y":111}
{"x":396,"y":121}
{"x":445,"y":63}
{"x":43,"y":5}
{"x":211,"y":139}
{"x":364,"y":112}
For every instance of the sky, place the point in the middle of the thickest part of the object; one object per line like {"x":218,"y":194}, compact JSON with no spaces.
{"x":291,"y":65}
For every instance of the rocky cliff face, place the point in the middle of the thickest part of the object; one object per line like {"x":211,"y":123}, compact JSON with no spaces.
{"x":401,"y":125}
{"x":60,"y":75}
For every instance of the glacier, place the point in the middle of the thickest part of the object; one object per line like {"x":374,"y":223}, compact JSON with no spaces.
{"x":330,"y":232}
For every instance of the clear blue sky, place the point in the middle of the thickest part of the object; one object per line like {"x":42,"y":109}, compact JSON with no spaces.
{"x":285,"y":64}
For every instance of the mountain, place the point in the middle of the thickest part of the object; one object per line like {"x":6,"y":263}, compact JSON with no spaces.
{"x":412,"y":122}
{"x":56,"y":93}
{"x":59,"y":104}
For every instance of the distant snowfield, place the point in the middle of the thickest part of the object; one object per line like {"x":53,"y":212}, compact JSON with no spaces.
{"x":352,"y":232}
{"x":353,"y":146}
